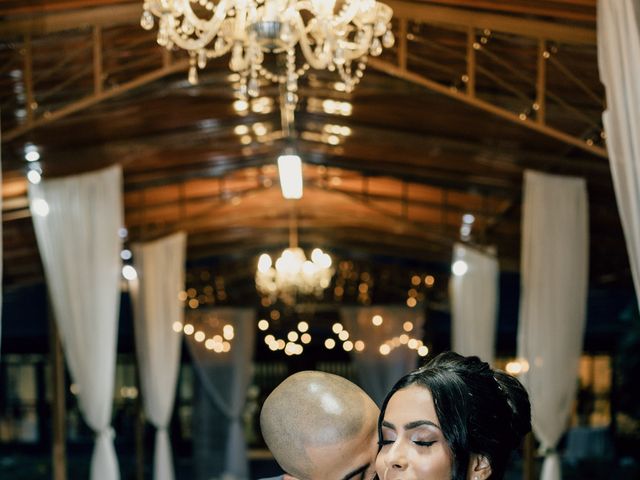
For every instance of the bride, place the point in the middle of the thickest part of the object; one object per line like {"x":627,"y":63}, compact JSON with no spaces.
{"x":453,"y":419}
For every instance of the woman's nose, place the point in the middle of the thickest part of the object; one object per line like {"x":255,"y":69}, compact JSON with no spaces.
{"x":396,"y":457}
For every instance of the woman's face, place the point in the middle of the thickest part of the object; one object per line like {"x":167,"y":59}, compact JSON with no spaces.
{"x":413,"y":445}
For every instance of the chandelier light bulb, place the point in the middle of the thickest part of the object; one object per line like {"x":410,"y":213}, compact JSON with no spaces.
{"x":264,"y":263}
{"x":309,"y":268}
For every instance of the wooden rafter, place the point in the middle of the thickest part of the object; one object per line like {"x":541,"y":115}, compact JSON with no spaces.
{"x":471,"y":22}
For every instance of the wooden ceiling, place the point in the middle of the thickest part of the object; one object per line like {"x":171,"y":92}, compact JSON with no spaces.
{"x":445,"y":123}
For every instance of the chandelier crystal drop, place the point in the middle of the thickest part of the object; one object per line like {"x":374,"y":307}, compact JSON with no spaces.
{"x":334,"y":35}
{"x":293,"y":274}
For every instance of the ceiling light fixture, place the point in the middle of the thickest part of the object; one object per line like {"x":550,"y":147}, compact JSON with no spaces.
{"x":292,"y":274}
{"x":290,"y":172}
{"x":334,"y":35}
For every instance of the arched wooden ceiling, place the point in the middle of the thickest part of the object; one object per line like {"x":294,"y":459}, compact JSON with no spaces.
{"x":474,"y":93}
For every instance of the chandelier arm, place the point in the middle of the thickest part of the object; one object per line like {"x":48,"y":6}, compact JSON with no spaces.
{"x":347,"y":13}
{"x":188,"y":44}
{"x":213,"y":23}
{"x":316,"y":62}
{"x":353,"y":50}
{"x":215,"y":53}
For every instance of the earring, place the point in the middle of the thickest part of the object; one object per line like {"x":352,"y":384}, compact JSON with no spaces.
{"x":476,"y":477}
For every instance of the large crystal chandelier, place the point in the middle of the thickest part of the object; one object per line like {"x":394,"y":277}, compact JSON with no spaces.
{"x":335,"y":35}
{"x":292,"y":273}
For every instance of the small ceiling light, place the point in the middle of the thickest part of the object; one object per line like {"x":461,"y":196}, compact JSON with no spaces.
{"x":459,"y":268}
{"x":31,"y":153}
{"x":241,"y":130}
{"x":129,"y":272}
{"x":40,"y":207}
{"x":188,"y":329}
{"x":199,"y":336}
{"x":228,"y":332}
{"x":34,"y":176}
{"x":468,"y":218}
{"x":290,"y":170}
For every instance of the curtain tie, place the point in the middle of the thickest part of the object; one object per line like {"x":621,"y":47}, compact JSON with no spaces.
{"x":107,"y":433}
{"x":546,"y":451}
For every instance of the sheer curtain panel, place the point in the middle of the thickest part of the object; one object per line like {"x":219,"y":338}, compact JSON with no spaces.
{"x":76,"y":221}
{"x":226,"y":377}
{"x":474,"y":303}
{"x":378,"y":372}
{"x":619,"y":64}
{"x":157,"y":309}
{"x":555,"y":248}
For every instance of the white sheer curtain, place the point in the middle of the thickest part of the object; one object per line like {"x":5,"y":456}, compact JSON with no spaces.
{"x":619,"y":64}
{"x":225,"y":377}
{"x":377,"y":372}
{"x":160,"y":265}
{"x":474,"y":303}
{"x":76,"y":221}
{"x":555,"y":248}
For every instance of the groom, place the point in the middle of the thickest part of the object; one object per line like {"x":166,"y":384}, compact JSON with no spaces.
{"x":321,"y":426}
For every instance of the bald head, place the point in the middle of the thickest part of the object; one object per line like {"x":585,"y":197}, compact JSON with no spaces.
{"x":311,"y":421}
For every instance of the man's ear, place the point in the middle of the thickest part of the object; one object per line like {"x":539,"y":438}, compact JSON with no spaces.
{"x":479,"y":467}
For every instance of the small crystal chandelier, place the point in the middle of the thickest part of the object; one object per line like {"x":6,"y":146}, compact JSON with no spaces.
{"x":292,"y":274}
{"x":334,"y":35}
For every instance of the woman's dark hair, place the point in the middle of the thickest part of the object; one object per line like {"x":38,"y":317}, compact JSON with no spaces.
{"x":481,"y":410}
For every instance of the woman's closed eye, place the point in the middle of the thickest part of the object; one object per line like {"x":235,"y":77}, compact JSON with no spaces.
{"x":424,"y":443}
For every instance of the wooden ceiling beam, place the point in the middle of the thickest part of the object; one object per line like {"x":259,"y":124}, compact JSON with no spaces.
{"x":486,"y":106}
{"x":47,"y":23}
{"x":472,"y":18}
{"x":88,"y":101}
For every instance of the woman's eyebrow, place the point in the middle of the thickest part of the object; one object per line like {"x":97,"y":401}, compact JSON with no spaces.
{"x":388,"y":425}
{"x":412,"y":425}
{"x":420,"y":423}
